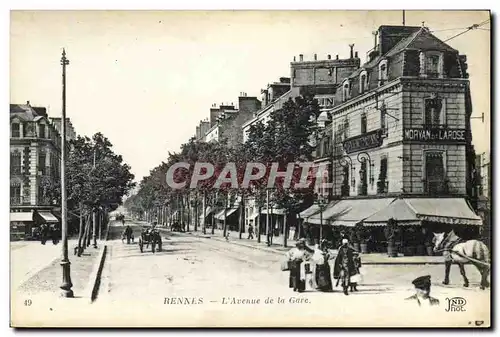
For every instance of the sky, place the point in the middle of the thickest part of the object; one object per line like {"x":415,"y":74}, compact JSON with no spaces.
{"x":146,"y":78}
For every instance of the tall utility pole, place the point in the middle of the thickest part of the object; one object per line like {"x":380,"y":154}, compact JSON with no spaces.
{"x":65,"y":264}
{"x":94,"y":213}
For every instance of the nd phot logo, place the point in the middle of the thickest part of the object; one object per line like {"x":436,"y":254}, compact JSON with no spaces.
{"x":455,"y":304}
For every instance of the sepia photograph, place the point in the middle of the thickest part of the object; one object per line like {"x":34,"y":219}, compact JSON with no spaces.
{"x":250,"y":168}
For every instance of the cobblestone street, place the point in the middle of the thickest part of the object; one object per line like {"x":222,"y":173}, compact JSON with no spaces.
{"x":208,"y":273}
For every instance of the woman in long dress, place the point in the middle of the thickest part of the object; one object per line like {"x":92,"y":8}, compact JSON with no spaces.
{"x":295,"y":258}
{"x":322,"y":274}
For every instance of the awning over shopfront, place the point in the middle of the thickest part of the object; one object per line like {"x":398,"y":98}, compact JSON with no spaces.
{"x":48,"y":217}
{"x":328,"y":212}
{"x":220,"y":215}
{"x":352,"y":211}
{"x":207,"y":212}
{"x":412,"y":211}
{"x":21,"y":217}
{"x":309,"y":211}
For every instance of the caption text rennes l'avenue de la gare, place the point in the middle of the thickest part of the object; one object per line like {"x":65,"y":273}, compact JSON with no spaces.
{"x":231,"y":300}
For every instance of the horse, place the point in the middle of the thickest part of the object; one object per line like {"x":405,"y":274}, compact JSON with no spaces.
{"x":455,"y":250}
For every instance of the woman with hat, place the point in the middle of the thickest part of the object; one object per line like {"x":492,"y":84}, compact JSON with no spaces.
{"x":322,"y":275}
{"x":295,"y":258}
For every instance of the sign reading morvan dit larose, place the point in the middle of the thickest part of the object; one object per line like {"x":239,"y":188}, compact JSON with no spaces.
{"x":442,"y":135}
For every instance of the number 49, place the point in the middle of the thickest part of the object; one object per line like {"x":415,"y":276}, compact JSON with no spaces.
{"x":27,"y":303}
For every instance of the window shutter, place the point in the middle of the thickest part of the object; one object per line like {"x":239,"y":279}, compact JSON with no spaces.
{"x":422,"y":63}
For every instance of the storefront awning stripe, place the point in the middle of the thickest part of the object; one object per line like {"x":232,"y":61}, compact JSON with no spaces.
{"x":398,"y":210}
{"x":229,"y":211}
{"x":21,"y":216}
{"x":48,"y":217}
{"x":349,"y":212}
{"x":309,"y":212}
{"x":445,"y":210}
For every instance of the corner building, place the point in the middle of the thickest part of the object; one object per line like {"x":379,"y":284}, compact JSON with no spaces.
{"x":402,"y":142}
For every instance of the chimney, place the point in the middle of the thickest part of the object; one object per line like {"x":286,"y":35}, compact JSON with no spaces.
{"x":294,"y":59}
{"x":351,"y":46}
{"x":301,"y":57}
{"x":329,"y":56}
{"x":28,"y":102}
{"x":315,"y":57}
{"x":337,"y":56}
{"x":356,"y":54}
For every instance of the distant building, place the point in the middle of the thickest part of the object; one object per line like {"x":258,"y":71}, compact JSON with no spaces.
{"x":35,"y":161}
{"x":70,"y":130}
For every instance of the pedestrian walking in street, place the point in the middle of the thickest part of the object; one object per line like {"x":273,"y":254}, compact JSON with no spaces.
{"x":356,"y":278}
{"x":295,"y":260}
{"x":344,"y":266}
{"x":322,"y":274}
{"x":250,"y":232}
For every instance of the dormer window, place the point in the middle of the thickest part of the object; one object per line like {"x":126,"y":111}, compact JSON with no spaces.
{"x":346,"y":89}
{"x":16,"y":133}
{"x":431,"y":64}
{"x":382,"y":73}
{"x":363,"y":82}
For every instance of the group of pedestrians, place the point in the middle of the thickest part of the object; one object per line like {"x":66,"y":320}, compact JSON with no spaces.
{"x":310,"y":267}
{"x":47,"y":232}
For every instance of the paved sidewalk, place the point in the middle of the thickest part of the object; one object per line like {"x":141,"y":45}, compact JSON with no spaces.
{"x":29,"y":257}
{"x":277,"y":248}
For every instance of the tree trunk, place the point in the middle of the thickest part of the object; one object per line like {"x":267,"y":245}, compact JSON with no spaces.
{"x":268,"y":231}
{"x":242,"y":215}
{"x":80,"y":232}
{"x":89,"y":230}
{"x":285,"y":234}
{"x":189,"y":211}
{"x":204,"y":212}
{"x":196,"y":215}
{"x":225,"y":222}
{"x":257,"y":228}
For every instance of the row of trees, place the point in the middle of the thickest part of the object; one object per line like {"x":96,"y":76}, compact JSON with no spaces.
{"x":286,"y":138}
{"x":96,"y":181}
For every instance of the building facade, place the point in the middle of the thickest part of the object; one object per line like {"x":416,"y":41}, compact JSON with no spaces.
{"x":401,"y":130}
{"x":34,"y":165}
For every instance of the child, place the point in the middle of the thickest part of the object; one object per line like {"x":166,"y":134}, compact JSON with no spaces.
{"x":357,"y":276}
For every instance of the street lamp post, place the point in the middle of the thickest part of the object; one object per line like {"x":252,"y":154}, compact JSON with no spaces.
{"x":322,"y":205}
{"x":65,"y":264}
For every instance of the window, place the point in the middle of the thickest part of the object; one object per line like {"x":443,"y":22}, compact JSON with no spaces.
{"x":435,"y":175}
{"x":41,"y":128}
{"x":15,"y":194}
{"x":382,"y":183}
{"x":346,"y":128}
{"x":382,"y":73}
{"x":15,"y":162}
{"x":345,"y":182}
{"x":432,"y":65}
{"x":383,"y":118}
{"x":41,"y":162}
{"x":363,"y":123}
{"x":16,"y":130}
{"x":346,"y":91}
{"x":434,"y":114}
{"x":363,"y":82}
{"x":363,"y":183}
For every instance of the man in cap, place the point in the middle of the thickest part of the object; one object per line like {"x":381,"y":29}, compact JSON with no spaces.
{"x":422,"y":292}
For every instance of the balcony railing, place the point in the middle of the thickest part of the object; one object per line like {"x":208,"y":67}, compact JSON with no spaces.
{"x":436,"y":187}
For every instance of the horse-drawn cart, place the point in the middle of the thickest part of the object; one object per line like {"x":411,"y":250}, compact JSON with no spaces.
{"x":150,"y":236}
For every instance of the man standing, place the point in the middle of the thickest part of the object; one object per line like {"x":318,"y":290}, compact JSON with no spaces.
{"x":344,"y":266}
{"x":422,"y":294}
{"x":250,"y":232}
